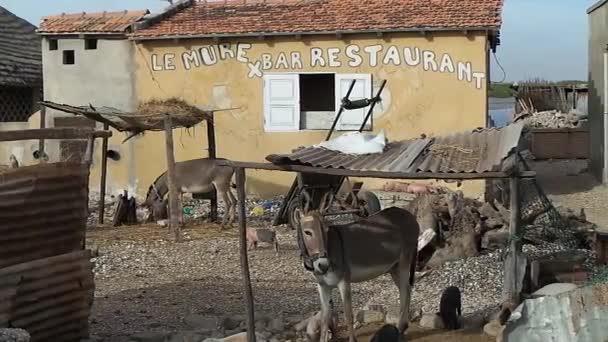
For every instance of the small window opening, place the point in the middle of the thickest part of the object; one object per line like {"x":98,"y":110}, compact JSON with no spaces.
{"x":53,"y":45}
{"x":90,"y":44}
{"x":317,"y":93}
{"x":68,"y":57}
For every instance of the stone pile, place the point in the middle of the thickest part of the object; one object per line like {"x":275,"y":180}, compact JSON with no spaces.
{"x":554,"y":119}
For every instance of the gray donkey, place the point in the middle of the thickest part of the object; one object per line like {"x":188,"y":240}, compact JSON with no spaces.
{"x":197,"y":176}
{"x":339,"y":255}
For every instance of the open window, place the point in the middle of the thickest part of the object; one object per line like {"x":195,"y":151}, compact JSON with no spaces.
{"x":68,"y":57}
{"x":90,"y":44}
{"x":309,"y":101}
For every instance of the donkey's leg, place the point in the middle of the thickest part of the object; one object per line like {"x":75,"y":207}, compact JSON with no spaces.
{"x":228,"y":205}
{"x":325,"y":296}
{"x":233,"y":203}
{"x":403,"y":276}
{"x":345,"y":292}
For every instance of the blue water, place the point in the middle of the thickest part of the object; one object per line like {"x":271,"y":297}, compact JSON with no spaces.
{"x":501,"y":111}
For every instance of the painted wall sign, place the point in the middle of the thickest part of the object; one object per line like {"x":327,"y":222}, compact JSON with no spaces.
{"x":333,"y":57}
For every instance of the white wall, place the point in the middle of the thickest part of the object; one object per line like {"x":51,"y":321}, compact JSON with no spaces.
{"x":100,"y":77}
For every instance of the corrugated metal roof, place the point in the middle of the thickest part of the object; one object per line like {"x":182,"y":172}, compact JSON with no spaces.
{"x":49,"y":298}
{"x":101,"y":22}
{"x":478,"y":151}
{"x":20,"y":52}
{"x":43,"y":211}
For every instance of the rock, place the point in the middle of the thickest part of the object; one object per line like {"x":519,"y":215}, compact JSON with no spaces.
{"x":276,"y":325}
{"x":431,"y":321}
{"x":302,"y":324}
{"x":201,"y":322}
{"x":492,"y":328}
{"x":370,"y":316}
{"x":495,"y":239}
{"x":186,"y":336}
{"x":392,"y":315}
{"x":149,"y":337}
{"x":472,"y":322}
{"x":232,"y":322}
{"x":14,"y":335}
{"x":460,"y":247}
{"x":554,"y":289}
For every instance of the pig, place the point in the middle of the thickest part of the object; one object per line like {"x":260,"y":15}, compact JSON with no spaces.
{"x":388,"y":333}
{"x":261,"y":235}
{"x":420,"y":188}
{"x":450,"y":308}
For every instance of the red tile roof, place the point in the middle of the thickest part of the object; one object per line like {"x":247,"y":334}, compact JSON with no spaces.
{"x":100,"y":22}
{"x":238,"y":17}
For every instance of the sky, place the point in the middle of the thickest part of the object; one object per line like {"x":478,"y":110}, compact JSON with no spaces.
{"x":539,"y":39}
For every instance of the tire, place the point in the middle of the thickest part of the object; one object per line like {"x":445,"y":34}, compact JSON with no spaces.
{"x":370,"y":202}
{"x":292,"y":213}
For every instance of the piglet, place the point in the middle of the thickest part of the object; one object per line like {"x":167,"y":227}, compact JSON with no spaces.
{"x":313,"y":329}
{"x":261,"y":235}
{"x":419,"y":188}
{"x":388,"y":333}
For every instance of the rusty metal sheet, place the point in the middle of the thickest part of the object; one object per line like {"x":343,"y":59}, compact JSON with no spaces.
{"x":477,"y":151}
{"x":43,"y":211}
{"x":50,"y":298}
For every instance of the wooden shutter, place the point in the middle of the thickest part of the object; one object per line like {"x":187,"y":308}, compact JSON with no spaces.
{"x":352,"y":119}
{"x":281,"y":102}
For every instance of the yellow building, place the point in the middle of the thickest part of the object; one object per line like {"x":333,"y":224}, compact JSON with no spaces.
{"x":281,"y":68}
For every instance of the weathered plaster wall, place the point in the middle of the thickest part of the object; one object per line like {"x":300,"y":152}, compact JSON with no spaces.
{"x":422,"y":97}
{"x":100,"y":77}
{"x":598,"y":38}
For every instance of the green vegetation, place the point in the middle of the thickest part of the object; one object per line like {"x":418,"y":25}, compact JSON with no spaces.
{"x":501,"y":90}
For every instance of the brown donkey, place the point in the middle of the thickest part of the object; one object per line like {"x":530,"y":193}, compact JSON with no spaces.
{"x":339,"y":255}
{"x":197,"y":176}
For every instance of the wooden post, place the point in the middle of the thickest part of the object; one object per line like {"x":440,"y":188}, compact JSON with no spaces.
{"x":515,"y":263}
{"x":174,"y":210}
{"x":88,"y":157}
{"x":104,"y":171}
{"x":212,"y":155}
{"x":240,"y":186}
{"x":211,"y":137}
{"x":41,"y":141}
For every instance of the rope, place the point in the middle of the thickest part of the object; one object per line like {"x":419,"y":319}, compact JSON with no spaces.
{"x":436,"y":147}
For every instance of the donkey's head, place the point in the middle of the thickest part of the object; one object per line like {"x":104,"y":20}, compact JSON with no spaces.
{"x":313,"y":233}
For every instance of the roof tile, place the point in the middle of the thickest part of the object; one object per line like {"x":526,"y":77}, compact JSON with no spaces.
{"x":100,"y":22}
{"x":291,"y":16}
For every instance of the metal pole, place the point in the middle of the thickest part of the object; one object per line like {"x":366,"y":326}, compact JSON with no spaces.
{"x":373,"y":105}
{"x":240,"y":184}
{"x":339,"y":114}
{"x":104,"y":172}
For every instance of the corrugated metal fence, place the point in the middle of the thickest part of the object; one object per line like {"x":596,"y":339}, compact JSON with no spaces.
{"x":46,"y":279}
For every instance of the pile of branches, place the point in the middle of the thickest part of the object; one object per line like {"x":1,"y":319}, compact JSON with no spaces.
{"x":454,"y":227}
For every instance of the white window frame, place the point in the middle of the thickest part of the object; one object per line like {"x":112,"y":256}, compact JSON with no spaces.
{"x":296,"y":126}
{"x":268,"y":125}
{"x":367,"y":78}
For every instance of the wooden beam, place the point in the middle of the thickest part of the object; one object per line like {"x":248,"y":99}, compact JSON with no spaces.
{"x":104,"y":172}
{"x":373,"y":174}
{"x":240,"y":186}
{"x":174,"y":210}
{"x":42,"y":126}
{"x":52,"y":133}
{"x":515,"y":262}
